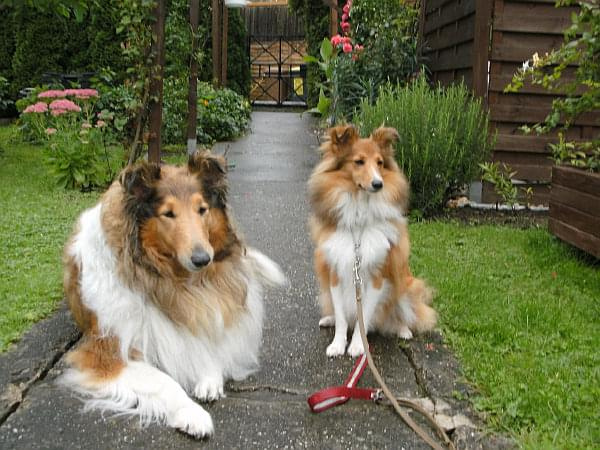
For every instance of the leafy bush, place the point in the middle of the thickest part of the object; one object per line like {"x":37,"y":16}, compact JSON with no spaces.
{"x":222,"y":113}
{"x":74,"y":157}
{"x":388,"y":30}
{"x":353,"y":71}
{"x":443,"y":137}
{"x":5,"y":101}
{"x":76,"y":136}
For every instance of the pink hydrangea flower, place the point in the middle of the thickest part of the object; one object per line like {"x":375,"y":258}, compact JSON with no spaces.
{"x":58,"y":112}
{"x":50,"y":131}
{"x":345,"y":26}
{"x":345,"y":17}
{"x":39,"y":107}
{"x":346,"y":8}
{"x":359,"y":48}
{"x":51,"y":94}
{"x":66,"y":105}
{"x":101,"y":124}
{"x":347,"y":48}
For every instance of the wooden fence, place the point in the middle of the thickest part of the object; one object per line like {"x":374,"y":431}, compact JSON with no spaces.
{"x":484,"y":42}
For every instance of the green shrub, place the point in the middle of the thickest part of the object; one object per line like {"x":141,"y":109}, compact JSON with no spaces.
{"x":222,"y":113}
{"x":7,"y":42}
{"x":5,"y":101}
{"x":388,"y":30}
{"x":443,"y":137}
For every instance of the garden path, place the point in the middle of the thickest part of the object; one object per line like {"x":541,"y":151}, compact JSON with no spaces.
{"x":267,"y":192}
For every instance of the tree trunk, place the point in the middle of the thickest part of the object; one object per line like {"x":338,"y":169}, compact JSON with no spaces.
{"x":193,"y":82}
{"x":156,"y":84}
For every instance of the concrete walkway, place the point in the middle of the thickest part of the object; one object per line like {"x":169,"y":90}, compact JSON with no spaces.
{"x":268,"y":410}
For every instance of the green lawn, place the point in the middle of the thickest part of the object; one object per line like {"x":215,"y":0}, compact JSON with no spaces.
{"x":522,"y":311}
{"x":36,"y":220}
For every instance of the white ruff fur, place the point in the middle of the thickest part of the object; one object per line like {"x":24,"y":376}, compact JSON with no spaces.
{"x":174,"y":361}
{"x":367,"y":219}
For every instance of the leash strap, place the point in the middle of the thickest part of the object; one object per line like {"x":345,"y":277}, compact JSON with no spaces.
{"x":333,"y":396}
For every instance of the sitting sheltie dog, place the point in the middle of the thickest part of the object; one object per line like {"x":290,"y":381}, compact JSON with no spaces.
{"x":167,"y":296}
{"x":359,"y":197}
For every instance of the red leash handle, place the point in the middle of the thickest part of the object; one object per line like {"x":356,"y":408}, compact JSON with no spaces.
{"x":333,"y":396}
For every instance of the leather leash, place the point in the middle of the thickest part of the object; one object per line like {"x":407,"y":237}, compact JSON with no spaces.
{"x":334,"y":396}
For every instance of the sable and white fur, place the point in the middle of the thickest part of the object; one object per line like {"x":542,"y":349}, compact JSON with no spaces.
{"x":359,"y":195}
{"x":168,"y":298}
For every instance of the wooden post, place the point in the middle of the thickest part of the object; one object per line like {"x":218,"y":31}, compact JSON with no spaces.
{"x":333,"y":19}
{"x":224,"y":31}
{"x":156,"y":84}
{"x":216,"y":41}
{"x":193,"y":80}
{"x":481,"y":48}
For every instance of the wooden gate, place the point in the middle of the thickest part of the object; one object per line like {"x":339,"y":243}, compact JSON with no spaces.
{"x":278,"y":70}
{"x":276,"y":51}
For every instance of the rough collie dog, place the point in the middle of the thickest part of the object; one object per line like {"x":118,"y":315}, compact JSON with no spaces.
{"x":359,"y":197}
{"x":167,"y":296}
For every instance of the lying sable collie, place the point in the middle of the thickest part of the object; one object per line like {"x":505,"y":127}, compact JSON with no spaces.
{"x":168,"y":298}
{"x":359,"y":197}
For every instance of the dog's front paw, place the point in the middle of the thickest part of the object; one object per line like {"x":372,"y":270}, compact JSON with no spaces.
{"x":355,"y":348}
{"x":192,"y":420}
{"x":336,"y":348}
{"x":327,"y":321}
{"x":209,"y":389}
{"x":405,"y":333}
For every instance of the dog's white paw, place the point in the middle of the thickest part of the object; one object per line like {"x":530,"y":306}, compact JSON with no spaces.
{"x":336,"y":348}
{"x":209,"y":389}
{"x":405,"y":333}
{"x":327,"y":321}
{"x":355,"y":348}
{"x":193,"y":420}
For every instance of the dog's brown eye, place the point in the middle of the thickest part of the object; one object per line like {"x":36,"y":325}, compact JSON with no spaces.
{"x":380,"y":163}
{"x":169,"y":214}
{"x":202,"y":210}
{"x":359,"y":162}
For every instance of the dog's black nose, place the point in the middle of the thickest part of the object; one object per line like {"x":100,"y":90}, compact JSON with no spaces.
{"x":377,"y":184}
{"x":200,"y":258}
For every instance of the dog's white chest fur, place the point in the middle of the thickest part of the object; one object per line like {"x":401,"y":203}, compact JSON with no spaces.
{"x":369,"y":224}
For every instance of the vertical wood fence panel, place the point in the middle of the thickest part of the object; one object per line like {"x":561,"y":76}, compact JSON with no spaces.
{"x":484,"y":42}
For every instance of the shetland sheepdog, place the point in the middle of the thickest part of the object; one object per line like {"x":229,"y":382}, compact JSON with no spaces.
{"x":359,"y":197}
{"x":167,"y":296}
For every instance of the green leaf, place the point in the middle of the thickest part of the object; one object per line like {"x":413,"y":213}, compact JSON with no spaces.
{"x":326,"y":50}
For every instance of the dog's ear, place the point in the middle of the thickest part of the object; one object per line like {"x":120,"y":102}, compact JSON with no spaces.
{"x":342,"y":137}
{"x":212,"y":172}
{"x":139,"y":181}
{"x":385,"y":137}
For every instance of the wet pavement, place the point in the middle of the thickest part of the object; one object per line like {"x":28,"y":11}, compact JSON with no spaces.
{"x":271,"y":165}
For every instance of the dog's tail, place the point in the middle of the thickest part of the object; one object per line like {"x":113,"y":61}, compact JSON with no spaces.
{"x":420,"y":295}
{"x":268,"y":271}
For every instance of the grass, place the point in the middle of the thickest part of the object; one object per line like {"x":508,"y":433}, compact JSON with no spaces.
{"x":37,"y":218}
{"x":522,"y":311}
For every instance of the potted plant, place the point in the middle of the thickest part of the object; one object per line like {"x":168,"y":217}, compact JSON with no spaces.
{"x":575,"y":195}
